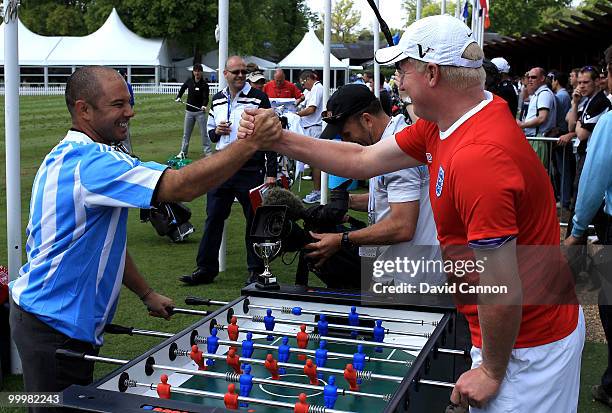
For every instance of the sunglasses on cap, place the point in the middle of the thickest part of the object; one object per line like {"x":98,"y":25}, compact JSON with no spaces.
{"x":238,"y":72}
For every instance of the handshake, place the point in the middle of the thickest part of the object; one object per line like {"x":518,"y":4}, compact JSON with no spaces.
{"x":262,"y":125}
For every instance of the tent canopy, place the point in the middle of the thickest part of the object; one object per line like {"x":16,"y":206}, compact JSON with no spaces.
{"x":113,"y":44}
{"x":308,"y":54}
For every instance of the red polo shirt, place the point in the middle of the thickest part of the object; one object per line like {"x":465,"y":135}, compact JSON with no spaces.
{"x":288,"y":90}
{"x":487,"y":183}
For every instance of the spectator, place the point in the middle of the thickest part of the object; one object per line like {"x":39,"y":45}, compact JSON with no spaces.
{"x":563,"y":157}
{"x":256,"y":79}
{"x":311,"y":122}
{"x":226,"y":109}
{"x":398,"y":207}
{"x":588,"y":105}
{"x":595,"y":185}
{"x":541,"y":116}
{"x":195,"y":110}
{"x":573,"y":78}
{"x":281,"y":88}
{"x":505,"y":89}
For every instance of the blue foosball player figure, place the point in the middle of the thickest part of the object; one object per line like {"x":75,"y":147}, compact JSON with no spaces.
{"x":330,"y":392}
{"x":283,"y":353}
{"x":359,"y":360}
{"x":353,"y":320}
{"x":212,"y":344}
{"x":269,"y":323}
{"x":247,"y":346}
{"x":321,"y":356}
{"x":322,"y":325}
{"x":246,"y":383}
{"x":379,"y":335}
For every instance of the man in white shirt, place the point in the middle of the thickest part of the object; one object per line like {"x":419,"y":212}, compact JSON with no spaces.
{"x":311,"y":123}
{"x":399,"y":212}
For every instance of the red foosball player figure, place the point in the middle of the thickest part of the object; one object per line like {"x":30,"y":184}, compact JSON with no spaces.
{"x":196,"y":355}
{"x":302,"y":340}
{"x":310,"y":369}
{"x":301,"y":406}
{"x":231,"y":398}
{"x":233,"y":360}
{"x":272,"y":366}
{"x":163,"y":388}
{"x":232,"y":329}
{"x":350,"y":374}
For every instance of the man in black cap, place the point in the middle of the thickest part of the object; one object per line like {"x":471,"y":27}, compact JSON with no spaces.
{"x":399,"y":212}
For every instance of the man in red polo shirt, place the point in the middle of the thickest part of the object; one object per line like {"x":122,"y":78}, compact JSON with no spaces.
{"x":281,"y":88}
{"x":492,"y":201}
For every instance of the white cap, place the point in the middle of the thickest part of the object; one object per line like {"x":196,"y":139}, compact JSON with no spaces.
{"x":255,"y":76}
{"x":502,"y":64}
{"x":436,"y":39}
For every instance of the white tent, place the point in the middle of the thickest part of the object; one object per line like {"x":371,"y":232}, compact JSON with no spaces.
{"x":309,"y":54}
{"x":113,"y":44}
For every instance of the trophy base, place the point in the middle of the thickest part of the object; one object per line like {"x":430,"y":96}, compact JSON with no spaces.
{"x":267,"y":283}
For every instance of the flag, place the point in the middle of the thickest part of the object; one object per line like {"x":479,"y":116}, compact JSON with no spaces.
{"x":466,"y":11}
{"x":485,"y":13}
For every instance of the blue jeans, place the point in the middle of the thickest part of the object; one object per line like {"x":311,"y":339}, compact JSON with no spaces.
{"x":190,"y":119}
{"x":218,"y":207}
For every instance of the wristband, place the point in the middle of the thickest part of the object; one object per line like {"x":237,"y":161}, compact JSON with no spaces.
{"x":145,"y":295}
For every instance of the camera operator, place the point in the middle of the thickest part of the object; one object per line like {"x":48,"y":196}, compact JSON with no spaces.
{"x":399,"y":212}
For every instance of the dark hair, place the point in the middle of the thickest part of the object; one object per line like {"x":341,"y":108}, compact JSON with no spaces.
{"x":84,"y":84}
{"x":592,"y":70}
{"x":560,"y":77}
{"x":308,"y":74}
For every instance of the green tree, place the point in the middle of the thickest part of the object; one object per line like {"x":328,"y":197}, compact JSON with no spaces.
{"x":344,"y":20}
{"x":514,"y":17}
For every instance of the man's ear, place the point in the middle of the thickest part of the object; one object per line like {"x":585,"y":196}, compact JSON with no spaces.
{"x":82,"y":109}
{"x":367,"y":120}
{"x":433,"y":74}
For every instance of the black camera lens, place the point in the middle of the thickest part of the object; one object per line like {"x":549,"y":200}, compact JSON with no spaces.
{"x":274,"y":225}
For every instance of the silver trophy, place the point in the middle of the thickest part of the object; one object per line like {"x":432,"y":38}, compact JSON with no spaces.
{"x":266,"y":251}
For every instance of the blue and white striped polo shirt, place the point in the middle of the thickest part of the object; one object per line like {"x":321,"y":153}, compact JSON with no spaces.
{"x":76,"y":234}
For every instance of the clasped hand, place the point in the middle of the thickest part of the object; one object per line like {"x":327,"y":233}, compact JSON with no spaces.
{"x":262,"y":125}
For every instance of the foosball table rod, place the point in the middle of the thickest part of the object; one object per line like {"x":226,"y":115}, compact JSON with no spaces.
{"x":202,"y":393}
{"x":229,"y":377}
{"x":260,"y":319}
{"x":117,"y":329}
{"x":300,"y":311}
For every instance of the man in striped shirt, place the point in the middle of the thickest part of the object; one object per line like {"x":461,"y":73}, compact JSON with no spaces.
{"x":76,"y":236}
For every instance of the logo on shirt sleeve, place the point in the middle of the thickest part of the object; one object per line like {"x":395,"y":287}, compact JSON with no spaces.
{"x":429,"y":157}
{"x":439,"y":182}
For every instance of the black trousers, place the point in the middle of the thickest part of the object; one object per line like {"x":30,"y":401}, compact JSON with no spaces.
{"x":603,"y":227}
{"x":42,"y":372}
{"x":219,"y":203}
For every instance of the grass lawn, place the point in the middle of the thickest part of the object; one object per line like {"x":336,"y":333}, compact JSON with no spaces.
{"x":156,"y":134}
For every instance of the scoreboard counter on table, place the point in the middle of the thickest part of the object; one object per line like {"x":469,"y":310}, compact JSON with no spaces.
{"x":301,"y":350}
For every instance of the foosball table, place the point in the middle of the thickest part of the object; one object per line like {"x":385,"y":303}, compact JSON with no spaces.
{"x":298,"y":349}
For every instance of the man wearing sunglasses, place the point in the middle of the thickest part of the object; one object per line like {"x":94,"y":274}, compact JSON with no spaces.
{"x":227,"y":106}
{"x":399,"y":213}
{"x":492,"y":201}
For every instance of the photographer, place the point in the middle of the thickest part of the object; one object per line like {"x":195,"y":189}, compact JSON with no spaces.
{"x":399,"y":212}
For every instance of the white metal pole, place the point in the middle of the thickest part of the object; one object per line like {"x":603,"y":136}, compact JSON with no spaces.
{"x":326,"y":78}
{"x":458,"y":9}
{"x":223,"y":52}
{"x":443,"y":7}
{"x":474,"y":18}
{"x":223,"y":40}
{"x":46,"y":77}
{"x":376,"y":31}
{"x":13,"y":161}
{"x":481,"y":28}
{"x":419,"y":6}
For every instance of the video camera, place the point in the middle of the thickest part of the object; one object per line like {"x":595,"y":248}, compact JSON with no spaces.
{"x":278,"y":219}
